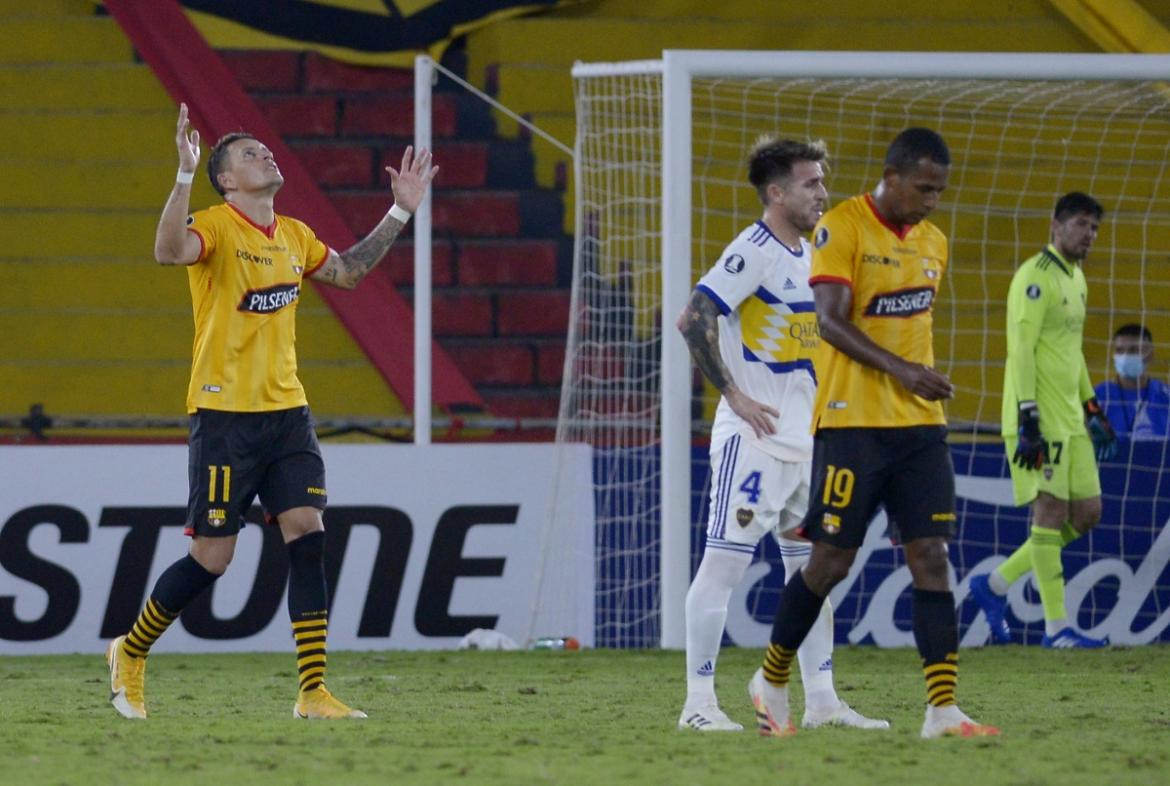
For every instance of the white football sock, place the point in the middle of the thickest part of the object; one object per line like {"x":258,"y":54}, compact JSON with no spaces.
{"x":997,"y":583}
{"x":815,"y":654}
{"x":706,"y":612}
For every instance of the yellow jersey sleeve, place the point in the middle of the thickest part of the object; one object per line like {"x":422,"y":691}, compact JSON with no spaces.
{"x":205,"y":226}
{"x":835,"y":243}
{"x":1027,"y":303}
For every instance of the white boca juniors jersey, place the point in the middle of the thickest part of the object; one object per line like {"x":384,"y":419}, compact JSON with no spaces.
{"x":768,"y":337}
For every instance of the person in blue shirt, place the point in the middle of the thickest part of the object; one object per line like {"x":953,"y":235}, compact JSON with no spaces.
{"x":1136,"y":405}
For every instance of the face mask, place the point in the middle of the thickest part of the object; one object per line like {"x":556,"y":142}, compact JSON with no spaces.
{"x":1129,"y":366}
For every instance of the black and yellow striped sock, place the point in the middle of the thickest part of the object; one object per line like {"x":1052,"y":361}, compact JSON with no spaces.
{"x":796,"y":612}
{"x":778,"y":665}
{"x":151,"y":623}
{"x":941,"y":681}
{"x":936,"y":632}
{"x":178,"y":585}
{"x":308,"y":607}
{"x":310,"y":635}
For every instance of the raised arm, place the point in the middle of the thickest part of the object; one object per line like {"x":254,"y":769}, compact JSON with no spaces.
{"x":699,"y":326}
{"x":409,"y":185}
{"x":173,"y":244}
{"x":833,"y":304}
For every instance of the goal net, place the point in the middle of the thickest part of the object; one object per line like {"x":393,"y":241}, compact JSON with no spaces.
{"x":661,"y":175}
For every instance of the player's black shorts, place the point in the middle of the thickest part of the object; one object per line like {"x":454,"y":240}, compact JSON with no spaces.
{"x":908,"y":470}
{"x":235,"y":456}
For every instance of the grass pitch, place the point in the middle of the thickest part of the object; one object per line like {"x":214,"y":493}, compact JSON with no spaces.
{"x":592,"y":717}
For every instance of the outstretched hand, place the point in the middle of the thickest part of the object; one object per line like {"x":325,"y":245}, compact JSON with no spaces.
{"x":409,"y":184}
{"x":187,"y":142}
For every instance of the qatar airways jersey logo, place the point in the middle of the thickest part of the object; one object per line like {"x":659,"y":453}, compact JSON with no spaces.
{"x":269,"y":299}
{"x":903,"y":303}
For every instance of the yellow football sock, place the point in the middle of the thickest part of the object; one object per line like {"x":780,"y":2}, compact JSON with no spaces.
{"x":1049,"y":571}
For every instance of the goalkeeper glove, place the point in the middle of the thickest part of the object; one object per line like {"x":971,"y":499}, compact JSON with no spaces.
{"x":1100,"y":430}
{"x":1031,"y":448}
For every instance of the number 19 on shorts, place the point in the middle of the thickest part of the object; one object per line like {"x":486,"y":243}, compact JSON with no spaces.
{"x":838,"y":486}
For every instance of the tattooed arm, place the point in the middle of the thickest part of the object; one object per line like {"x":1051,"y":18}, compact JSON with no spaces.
{"x":346,"y":269}
{"x":699,"y":326}
{"x":349,"y":267}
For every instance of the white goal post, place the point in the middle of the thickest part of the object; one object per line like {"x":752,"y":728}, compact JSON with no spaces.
{"x":856,"y":75}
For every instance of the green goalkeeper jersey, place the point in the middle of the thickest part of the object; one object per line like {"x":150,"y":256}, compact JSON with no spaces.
{"x":1045,"y":334}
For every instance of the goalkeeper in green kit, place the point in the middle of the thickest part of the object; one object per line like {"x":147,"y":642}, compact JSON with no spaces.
{"x":1053,"y":427}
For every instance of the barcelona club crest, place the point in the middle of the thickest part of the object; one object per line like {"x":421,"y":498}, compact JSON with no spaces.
{"x":216,"y":517}
{"x":831,"y":523}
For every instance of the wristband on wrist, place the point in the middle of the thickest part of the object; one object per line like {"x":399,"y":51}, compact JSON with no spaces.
{"x":399,"y":214}
{"x":184,"y":177}
{"x":1029,"y":414}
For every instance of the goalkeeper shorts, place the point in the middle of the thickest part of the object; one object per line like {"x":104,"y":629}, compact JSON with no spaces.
{"x":1069,"y":473}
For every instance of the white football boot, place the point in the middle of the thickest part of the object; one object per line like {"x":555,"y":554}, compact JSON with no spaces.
{"x":950,"y":721}
{"x":841,"y":715}
{"x":771,"y":703}
{"x":707,"y":717}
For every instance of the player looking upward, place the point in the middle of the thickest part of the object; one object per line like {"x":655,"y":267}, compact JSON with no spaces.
{"x":879,"y":433}
{"x":251,"y":433}
{"x":1047,"y":401}
{"x":760,"y":361}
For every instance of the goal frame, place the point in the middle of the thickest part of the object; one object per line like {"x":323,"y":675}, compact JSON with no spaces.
{"x":678,"y":68}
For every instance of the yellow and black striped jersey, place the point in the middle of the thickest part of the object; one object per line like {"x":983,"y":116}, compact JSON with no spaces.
{"x":244,"y":291}
{"x":894,"y":273}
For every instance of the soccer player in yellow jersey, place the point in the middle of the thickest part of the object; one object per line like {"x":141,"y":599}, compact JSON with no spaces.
{"x":1053,"y":427}
{"x":879,"y":433}
{"x":251,"y":433}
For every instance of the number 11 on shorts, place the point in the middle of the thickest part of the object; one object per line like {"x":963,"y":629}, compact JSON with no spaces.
{"x":213,"y":471}
{"x":838,"y":486}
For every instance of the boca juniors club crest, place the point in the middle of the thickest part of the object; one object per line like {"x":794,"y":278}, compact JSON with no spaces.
{"x":743,"y":516}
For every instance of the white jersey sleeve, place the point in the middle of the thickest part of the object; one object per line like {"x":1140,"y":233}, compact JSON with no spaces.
{"x":737,"y":274}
